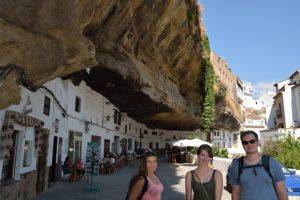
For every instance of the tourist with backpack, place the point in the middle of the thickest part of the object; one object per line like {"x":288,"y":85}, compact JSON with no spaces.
{"x":205,"y":182}
{"x":145,"y":185}
{"x":256,"y":176}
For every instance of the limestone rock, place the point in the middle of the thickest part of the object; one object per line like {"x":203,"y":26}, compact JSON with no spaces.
{"x":145,"y":56}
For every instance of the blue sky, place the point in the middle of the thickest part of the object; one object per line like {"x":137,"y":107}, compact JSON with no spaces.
{"x":259,"y":39}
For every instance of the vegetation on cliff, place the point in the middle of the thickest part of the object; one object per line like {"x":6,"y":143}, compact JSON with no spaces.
{"x":209,"y":95}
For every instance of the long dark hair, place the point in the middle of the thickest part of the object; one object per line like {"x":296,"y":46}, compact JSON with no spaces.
{"x":142,"y":173}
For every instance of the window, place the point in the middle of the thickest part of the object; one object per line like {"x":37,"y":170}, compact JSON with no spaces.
{"x":77,"y":104}
{"x":145,"y":132}
{"x":28,"y":149}
{"x":75,"y":145}
{"x":157,"y":145}
{"x":129,"y":126}
{"x":46,"y":106}
{"x":154,"y":133}
{"x":125,"y":128}
{"x":117,"y":117}
{"x":150,"y":145}
{"x":224,"y":144}
{"x":235,"y":136}
{"x":129,"y":144}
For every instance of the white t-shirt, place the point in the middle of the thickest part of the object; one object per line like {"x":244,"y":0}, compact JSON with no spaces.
{"x":112,"y":160}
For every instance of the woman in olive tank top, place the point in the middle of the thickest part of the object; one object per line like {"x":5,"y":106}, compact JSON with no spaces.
{"x":204,"y":182}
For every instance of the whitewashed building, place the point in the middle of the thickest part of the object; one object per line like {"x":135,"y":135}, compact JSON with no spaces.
{"x":59,"y":120}
{"x":285,"y":112}
{"x":223,"y":138}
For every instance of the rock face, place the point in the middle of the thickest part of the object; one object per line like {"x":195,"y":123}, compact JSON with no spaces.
{"x":145,"y":56}
{"x":45,"y":39}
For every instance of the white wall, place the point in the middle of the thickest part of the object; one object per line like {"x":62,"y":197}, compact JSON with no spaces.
{"x":275,"y":134}
{"x":296,"y":105}
{"x":36,"y":100}
{"x":287,"y":102}
{"x":91,"y":120}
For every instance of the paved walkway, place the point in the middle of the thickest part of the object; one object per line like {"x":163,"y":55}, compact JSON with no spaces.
{"x":114,"y":186}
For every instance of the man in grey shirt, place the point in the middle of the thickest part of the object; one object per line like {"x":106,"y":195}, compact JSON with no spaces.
{"x":255,"y":183}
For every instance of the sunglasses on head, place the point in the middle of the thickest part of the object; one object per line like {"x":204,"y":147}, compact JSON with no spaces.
{"x":248,"y":142}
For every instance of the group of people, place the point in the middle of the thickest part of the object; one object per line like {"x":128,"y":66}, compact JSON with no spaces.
{"x":249,"y":179}
{"x":108,"y":161}
{"x":69,"y":167}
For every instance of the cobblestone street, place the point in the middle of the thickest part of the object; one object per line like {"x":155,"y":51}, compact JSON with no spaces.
{"x":114,"y":186}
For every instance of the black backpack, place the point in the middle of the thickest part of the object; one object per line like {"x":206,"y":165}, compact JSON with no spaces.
{"x":145,"y":187}
{"x":265,"y":164}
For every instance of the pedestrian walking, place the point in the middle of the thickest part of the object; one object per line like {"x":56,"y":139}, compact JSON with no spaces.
{"x":204,"y":182}
{"x":256,"y":176}
{"x":145,"y":185}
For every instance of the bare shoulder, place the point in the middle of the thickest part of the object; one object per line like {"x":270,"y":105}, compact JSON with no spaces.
{"x":218,"y":173}
{"x":188,"y":174}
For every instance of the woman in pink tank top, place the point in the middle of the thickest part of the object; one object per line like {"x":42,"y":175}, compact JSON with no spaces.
{"x":145,"y":185}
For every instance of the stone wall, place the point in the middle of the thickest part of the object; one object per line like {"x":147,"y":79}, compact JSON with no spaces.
{"x":24,"y":189}
{"x":221,"y":164}
{"x":225,"y":75}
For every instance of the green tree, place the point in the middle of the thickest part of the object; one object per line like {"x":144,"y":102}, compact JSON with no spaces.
{"x":285,"y":150}
{"x":219,"y":152}
{"x":193,"y":136}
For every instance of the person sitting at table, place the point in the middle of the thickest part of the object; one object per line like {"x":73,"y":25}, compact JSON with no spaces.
{"x":79,"y":167}
{"x":107,"y":163}
{"x":67,"y":165}
{"x":112,"y":160}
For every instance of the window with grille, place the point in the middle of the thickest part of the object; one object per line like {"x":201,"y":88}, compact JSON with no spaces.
{"x":77,"y":104}
{"x":47,"y":102}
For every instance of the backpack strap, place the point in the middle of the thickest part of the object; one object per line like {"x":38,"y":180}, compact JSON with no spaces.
{"x":266,"y":164}
{"x":253,"y":166}
{"x":240,"y":168}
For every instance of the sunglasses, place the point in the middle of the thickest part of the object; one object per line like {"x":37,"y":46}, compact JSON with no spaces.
{"x":248,"y":142}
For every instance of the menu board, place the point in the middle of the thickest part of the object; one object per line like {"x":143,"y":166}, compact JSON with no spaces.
{"x":93,"y":156}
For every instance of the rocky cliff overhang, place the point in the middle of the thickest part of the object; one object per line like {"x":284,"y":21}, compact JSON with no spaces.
{"x":144,"y":56}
